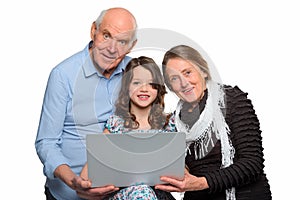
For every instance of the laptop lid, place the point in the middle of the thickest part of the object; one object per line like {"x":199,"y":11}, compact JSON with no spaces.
{"x":133,"y":158}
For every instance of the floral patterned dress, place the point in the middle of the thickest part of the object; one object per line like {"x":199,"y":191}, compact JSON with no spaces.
{"x":115,"y":125}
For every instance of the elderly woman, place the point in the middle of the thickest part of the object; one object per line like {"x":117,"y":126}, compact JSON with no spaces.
{"x":224,"y":155}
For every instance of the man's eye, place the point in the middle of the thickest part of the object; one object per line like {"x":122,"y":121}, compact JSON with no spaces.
{"x":105,"y":36}
{"x":122,"y":42}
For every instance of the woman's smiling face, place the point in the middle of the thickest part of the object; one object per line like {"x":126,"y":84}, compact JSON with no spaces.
{"x":186,"y":79}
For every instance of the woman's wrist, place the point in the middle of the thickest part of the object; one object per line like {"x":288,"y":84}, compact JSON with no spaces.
{"x":202,"y":183}
{"x":187,"y":168}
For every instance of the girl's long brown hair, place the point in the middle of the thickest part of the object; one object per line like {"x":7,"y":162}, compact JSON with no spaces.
{"x":157,"y":118}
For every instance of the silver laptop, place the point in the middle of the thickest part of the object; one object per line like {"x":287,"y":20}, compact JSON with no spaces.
{"x":134,"y":158}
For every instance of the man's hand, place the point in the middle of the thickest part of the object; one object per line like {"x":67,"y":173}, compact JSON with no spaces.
{"x":84,"y":190}
{"x":82,"y":186}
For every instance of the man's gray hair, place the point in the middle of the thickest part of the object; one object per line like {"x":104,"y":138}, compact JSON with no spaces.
{"x":100,"y":19}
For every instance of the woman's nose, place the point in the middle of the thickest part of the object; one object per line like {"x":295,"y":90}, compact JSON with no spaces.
{"x":184,"y":82}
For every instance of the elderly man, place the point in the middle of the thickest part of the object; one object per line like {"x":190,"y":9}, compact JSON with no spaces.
{"x":79,"y":97}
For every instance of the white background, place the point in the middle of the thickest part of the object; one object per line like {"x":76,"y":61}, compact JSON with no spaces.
{"x":254,"y":44}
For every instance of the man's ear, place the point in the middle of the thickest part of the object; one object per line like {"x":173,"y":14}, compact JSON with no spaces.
{"x":93,"y":30}
{"x":133,"y":44}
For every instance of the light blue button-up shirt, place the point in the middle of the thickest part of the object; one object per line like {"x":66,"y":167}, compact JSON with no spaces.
{"x":78,"y":100}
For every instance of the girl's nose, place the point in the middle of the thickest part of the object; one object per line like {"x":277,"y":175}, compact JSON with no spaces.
{"x":144,"y":87}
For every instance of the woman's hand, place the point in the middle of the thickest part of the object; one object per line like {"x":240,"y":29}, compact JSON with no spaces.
{"x":189,"y":183}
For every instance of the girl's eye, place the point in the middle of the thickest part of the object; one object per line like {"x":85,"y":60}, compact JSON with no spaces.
{"x":154,"y":85}
{"x":136,"y":82}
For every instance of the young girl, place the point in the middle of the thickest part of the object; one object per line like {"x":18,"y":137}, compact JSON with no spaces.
{"x":140,"y":107}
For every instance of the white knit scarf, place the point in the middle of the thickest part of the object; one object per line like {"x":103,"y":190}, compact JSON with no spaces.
{"x":211,"y":124}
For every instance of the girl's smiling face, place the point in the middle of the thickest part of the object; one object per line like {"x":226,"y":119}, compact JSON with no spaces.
{"x":141,"y":91}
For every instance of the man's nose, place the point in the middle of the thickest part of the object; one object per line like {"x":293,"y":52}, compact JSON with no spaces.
{"x":112,"y":46}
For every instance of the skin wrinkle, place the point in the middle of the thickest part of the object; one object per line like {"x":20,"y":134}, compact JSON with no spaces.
{"x":117,"y":25}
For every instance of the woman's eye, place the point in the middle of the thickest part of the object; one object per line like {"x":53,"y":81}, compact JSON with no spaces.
{"x":187,"y":73}
{"x":174,"y":78}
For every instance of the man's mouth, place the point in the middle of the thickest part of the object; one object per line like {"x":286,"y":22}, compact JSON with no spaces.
{"x":110,"y":57}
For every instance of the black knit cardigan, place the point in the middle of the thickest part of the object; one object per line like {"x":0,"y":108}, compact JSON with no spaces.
{"x":247,"y":173}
